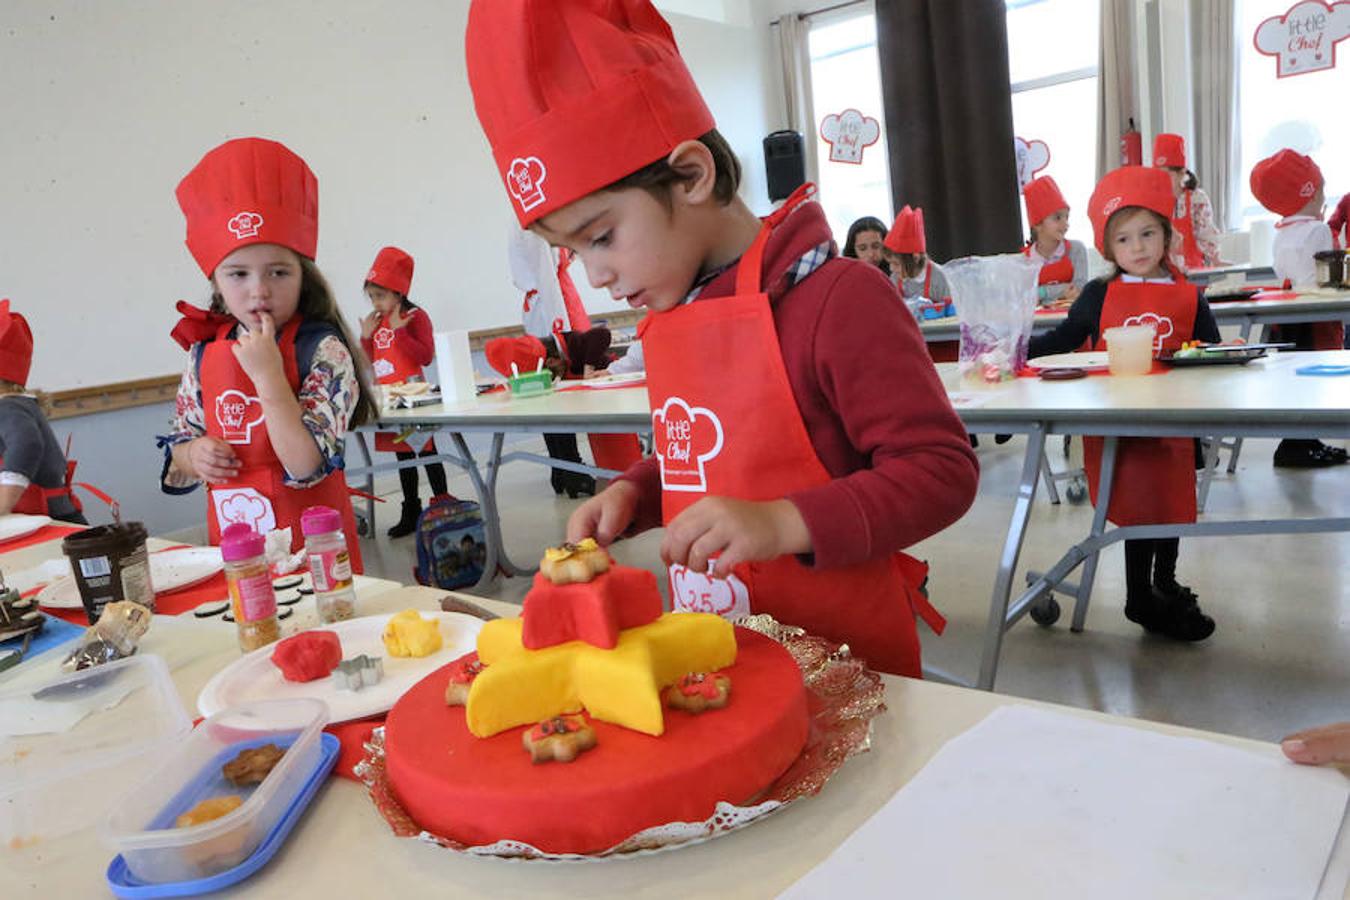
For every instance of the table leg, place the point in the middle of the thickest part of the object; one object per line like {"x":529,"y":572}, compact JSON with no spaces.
{"x":1012,"y":549}
{"x":487,"y":503}
{"x":1211,"y":446}
{"x":1049,"y":475}
{"x":1104,"y":485}
{"x":369,"y":484}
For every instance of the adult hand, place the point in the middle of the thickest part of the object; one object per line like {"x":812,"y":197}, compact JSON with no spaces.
{"x":258,"y":353}
{"x":213,"y":460}
{"x":739,"y":530}
{"x":1313,"y":746}
{"x":604,"y":516}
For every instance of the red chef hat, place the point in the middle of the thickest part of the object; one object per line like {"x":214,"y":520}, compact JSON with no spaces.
{"x":249,"y":191}
{"x":1285,"y":182}
{"x":906,"y":235}
{"x":16,"y":346}
{"x":525,"y":351}
{"x":1043,"y":199}
{"x":391,"y":270}
{"x":574,"y":96}
{"x":1169,"y":150}
{"x":1125,"y":187}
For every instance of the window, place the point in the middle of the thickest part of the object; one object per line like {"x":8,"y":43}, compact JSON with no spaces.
{"x":1303,"y":112}
{"x":844,"y":75}
{"x":1052,"y":63}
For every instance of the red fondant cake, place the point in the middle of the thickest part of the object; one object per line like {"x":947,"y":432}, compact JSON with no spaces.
{"x":481,"y":790}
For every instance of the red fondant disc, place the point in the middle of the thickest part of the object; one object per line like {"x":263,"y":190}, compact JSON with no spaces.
{"x":479,"y":791}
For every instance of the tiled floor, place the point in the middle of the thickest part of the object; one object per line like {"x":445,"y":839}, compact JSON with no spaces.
{"x":1279,"y":660}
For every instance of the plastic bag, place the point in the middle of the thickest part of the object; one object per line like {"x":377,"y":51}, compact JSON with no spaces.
{"x":995,"y":298}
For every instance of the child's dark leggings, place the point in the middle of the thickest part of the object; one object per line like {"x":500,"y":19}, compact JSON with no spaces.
{"x":408,"y":477}
{"x":1148,"y":562}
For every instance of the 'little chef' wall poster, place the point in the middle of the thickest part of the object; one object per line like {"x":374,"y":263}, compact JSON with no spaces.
{"x":1032,"y":157}
{"x":1304,"y":38}
{"x":849,"y":133}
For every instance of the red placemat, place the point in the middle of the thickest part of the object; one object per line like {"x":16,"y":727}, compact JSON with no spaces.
{"x":353,"y":737}
{"x":167,"y":604}
{"x":46,"y":533}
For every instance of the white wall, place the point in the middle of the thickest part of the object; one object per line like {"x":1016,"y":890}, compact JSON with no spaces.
{"x":107,"y":106}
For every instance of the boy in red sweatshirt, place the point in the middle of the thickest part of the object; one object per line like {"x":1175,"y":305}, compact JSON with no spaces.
{"x":802,"y":435}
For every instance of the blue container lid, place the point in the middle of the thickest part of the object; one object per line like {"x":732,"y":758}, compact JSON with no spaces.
{"x":124,"y":884}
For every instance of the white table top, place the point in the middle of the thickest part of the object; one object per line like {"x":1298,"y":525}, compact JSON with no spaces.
{"x":342,"y":847}
{"x":1332,"y":303}
{"x":1265,"y":392}
{"x":500,"y":411}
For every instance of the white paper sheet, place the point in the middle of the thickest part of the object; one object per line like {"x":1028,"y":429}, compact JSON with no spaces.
{"x":454,"y":366}
{"x":1038,"y":804}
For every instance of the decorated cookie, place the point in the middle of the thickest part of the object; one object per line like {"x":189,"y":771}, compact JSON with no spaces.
{"x":252,"y":765}
{"x":358,"y":672}
{"x":308,"y":656}
{"x":574,"y":563}
{"x":698,"y":692}
{"x":561,"y":739}
{"x":408,"y":634}
{"x":462,"y":673}
{"x":208,"y":810}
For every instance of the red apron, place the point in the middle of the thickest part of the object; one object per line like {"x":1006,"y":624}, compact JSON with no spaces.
{"x":1184,"y":225}
{"x":726,"y":424}
{"x":1155,"y":477}
{"x":258,"y":495}
{"x":1058,"y":272}
{"x":392,"y":366}
{"x":34,"y":499}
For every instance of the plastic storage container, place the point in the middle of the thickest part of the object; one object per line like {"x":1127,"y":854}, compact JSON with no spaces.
{"x":1129,"y":349}
{"x":141,"y":826}
{"x":71,"y":747}
{"x":330,"y":563}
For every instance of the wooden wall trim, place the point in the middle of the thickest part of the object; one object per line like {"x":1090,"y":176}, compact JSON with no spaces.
{"x":100,"y":398}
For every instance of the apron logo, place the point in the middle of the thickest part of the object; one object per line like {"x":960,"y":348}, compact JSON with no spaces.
{"x":693,"y":591}
{"x":383,"y":367}
{"x":525,"y":181}
{"x":245,"y":506}
{"x":686,"y":439}
{"x":237,"y":414}
{"x":1161,"y":325}
{"x":245,"y":224}
{"x":383,"y":338}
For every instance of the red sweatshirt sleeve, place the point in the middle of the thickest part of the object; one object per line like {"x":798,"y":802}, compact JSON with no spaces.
{"x":645,"y":475}
{"x":368,"y":347}
{"x":874,"y":370}
{"x":415,"y":338}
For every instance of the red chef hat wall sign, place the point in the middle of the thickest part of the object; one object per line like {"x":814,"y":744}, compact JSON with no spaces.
{"x":849,"y":133}
{"x":1032,"y":157}
{"x":1304,"y":39}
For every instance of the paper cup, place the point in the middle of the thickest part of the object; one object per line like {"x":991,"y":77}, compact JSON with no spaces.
{"x":1129,"y":349}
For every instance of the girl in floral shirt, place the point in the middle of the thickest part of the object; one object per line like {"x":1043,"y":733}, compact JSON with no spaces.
{"x":271,"y":385}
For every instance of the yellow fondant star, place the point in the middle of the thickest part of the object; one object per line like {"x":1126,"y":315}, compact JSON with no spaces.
{"x":622,"y":685}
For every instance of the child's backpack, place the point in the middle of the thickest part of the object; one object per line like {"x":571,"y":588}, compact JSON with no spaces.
{"x":451,"y":543}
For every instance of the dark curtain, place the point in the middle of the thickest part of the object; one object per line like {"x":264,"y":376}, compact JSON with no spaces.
{"x":944,"y":82}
